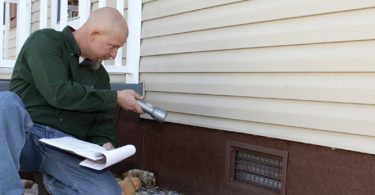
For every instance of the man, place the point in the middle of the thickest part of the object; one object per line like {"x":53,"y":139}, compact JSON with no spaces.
{"x":63,"y":97}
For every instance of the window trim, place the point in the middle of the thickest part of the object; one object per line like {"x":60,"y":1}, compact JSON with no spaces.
{"x":23,"y":6}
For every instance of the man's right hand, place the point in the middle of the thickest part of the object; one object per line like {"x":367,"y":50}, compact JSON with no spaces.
{"x":127,"y":100}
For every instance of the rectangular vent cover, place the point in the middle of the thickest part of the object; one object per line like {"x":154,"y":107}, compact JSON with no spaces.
{"x":255,"y":168}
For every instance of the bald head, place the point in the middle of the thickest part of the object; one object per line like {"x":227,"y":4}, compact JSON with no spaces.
{"x":107,"y":19}
{"x":105,"y":27}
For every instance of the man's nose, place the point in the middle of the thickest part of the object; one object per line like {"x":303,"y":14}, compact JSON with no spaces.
{"x":113,"y":53}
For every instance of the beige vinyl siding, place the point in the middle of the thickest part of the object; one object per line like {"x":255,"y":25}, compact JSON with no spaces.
{"x":35,"y":7}
{"x":5,"y":73}
{"x":35,"y":17}
{"x":12,"y":44}
{"x":294,"y":70}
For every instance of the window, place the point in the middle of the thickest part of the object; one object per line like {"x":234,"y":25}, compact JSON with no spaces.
{"x":72,"y":11}
{"x":72,"y":8}
{"x":13,"y":15}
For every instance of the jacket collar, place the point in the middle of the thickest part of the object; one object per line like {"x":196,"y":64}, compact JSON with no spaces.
{"x":71,"y":43}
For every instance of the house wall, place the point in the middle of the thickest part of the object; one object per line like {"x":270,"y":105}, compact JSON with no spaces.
{"x":293,"y":70}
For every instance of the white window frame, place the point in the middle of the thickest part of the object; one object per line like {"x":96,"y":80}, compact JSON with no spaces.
{"x":23,"y":6}
{"x":131,"y":69}
{"x":75,"y":22}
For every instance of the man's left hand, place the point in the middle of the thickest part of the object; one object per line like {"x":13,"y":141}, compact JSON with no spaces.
{"x":108,"y":146}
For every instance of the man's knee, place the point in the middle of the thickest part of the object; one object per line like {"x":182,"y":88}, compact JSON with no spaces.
{"x":8,"y":98}
{"x":12,"y":106}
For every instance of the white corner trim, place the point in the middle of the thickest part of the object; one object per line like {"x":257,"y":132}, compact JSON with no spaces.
{"x":134,"y":40}
{"x":23,"y":23}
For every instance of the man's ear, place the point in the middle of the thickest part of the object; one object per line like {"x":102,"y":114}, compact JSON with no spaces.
{"x":93,"y":35}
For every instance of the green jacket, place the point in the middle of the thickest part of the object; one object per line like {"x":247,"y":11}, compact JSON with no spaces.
{"x":62,"y":93}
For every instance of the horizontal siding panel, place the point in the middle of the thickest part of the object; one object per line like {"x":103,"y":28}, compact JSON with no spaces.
{"x":112,"y":3}
{"x":162,"y":8}
{"x":35,"y":6}
{"x":12,"y":42}
{"x":331,"y":139}
{"x":147,"y":1}
{"x":34,"y":27}
{"x":345,"y":88}
{"x":245,"y":12}
{"x":35,"y":17}
{"x":345,"y":118}
{"x":12,"y":34}
{"x":344,"y":26}
{"x":334,"y":57}
{"x":11,"y":54}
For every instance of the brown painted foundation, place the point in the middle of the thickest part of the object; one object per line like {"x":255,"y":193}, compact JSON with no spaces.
{"x":191,"y":160}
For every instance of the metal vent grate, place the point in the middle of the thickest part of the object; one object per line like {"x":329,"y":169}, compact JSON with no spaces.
{"x":256,"y":168}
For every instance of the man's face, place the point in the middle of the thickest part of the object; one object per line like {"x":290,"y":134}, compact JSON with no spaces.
{"x":104,"y":46}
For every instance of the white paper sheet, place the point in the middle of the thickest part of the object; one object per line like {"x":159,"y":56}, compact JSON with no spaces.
{"x":96,"y":156}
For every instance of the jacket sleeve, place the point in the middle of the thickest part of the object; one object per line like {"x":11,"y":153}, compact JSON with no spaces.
{"x":103,"y":129}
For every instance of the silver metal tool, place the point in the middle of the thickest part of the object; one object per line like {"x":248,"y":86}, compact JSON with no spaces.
{"x":156,"y":113}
